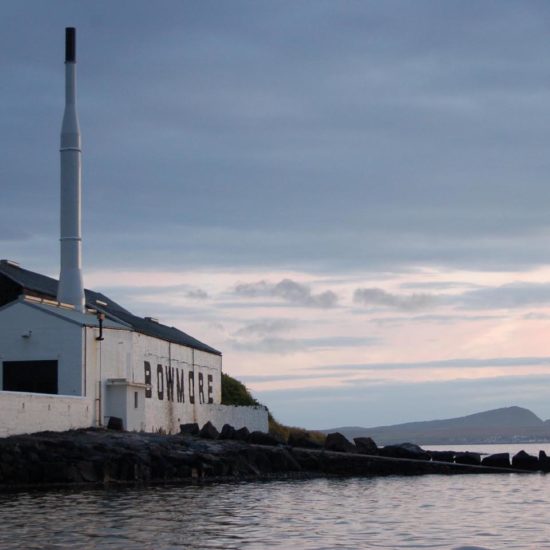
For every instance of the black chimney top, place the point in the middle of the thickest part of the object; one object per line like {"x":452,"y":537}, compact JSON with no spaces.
{"x":70,"y":45}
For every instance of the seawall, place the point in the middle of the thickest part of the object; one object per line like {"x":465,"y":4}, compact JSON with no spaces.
{"x":95,"y":456}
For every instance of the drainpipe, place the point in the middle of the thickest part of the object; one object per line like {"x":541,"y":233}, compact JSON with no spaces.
{"x":100,"y":319}
{"x":195,"y":396}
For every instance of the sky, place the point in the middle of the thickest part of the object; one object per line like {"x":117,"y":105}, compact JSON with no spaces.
{"x":349,"y":199}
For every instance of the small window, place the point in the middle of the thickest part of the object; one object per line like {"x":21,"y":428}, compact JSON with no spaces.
{"x":135,"y":400}
{"x":30,"y":376}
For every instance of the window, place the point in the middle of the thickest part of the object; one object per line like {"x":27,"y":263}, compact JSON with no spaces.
{"x":30,"y":376}
{"x":135,"y":400}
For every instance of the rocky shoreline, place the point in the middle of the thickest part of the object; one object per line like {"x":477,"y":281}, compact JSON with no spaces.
{"x":99,"y":456}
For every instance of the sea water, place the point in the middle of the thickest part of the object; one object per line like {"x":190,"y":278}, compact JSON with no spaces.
{"x":491,"y":511}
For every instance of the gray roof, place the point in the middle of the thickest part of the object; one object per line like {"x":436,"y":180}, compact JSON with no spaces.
{"x":46,"y":286}
{"x":74,"y":316}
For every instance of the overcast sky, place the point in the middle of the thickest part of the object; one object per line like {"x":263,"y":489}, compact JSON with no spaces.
{"x":349,"y":199}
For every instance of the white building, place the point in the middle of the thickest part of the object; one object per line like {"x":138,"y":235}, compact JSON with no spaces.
{"x":72,"y":358}
{"x":61,"y":369}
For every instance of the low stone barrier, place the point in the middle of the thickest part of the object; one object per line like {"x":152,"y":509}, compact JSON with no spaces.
{"x":522,"y":461}
{"x":102,"y":456}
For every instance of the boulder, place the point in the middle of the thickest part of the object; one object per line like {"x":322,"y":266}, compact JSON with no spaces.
{"x":242,"y":434}
{"x":189,"y":429}
{"x":228,"y":432}
{"x":303,"y":441}
{"x":366,"y":445}
{"x":525,"y":461}
{"x":544,"y":462}
{"x":337,"y":442}
{"x":209,"y":431}
{"x":498,"y":460}
{"x":405,"y":450}
{"x":473,"y":459}
{"x":442,"y":456}
{"x":261,"y":438}
{"x":115,"y":423}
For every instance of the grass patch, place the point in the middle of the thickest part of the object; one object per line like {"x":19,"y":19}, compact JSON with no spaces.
{"x":237,"y":394}
{"x":284,"y":432}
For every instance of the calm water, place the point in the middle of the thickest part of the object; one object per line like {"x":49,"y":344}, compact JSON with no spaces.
{"x":467,"y":511}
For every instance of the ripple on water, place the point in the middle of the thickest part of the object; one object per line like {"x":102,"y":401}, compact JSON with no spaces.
{"x":455,"y":512}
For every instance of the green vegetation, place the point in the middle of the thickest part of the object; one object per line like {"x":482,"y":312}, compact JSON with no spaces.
{"x":284,"y":432}
{"x":235,"y":392}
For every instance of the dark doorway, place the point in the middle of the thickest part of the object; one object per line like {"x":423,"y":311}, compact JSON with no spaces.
{"x":30,"y":376}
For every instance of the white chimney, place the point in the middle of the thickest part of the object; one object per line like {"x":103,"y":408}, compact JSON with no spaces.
{"x":71,"y":288}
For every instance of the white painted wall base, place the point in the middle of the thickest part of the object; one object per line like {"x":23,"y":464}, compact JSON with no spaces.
{"x":254,"y":418}
{"x":22,"y":413}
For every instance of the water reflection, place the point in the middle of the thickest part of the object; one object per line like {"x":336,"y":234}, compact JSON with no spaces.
{"x":490,"y":511}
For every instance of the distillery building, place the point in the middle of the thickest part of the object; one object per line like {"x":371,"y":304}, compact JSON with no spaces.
{"x":71,"y":357}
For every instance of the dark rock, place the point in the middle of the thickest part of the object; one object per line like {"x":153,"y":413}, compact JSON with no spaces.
{"x":189,"y":429}
{"x":261,"y":438}
{"x":473,"y":459}
{"x":303,"y":441}
{"x":498,"y":460}
{"x":242,"y":434}
{"x":442,"y":456}
{"x":544,"y":462}
{"x":405,"y":450}
{"x":524,"y":461}
{"x":282,"y":461}
{"x":105,"y":456}
{"x":259,"y":461}
{"x":55,"y":472}
{"x":337,"y":442}
{"x":209,"y":431}
{"x":115,"y":423}
{"x":366,"y":445}
{"x":88,"y":471}
{"x":228,"y":432}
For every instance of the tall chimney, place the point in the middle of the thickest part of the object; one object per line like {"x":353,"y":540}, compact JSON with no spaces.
{"x":71,"y":288}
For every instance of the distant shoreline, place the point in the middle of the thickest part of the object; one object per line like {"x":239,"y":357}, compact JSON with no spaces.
{"x":504,"y":426}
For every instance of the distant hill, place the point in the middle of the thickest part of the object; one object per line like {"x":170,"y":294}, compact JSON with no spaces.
{"x":506,"y":425}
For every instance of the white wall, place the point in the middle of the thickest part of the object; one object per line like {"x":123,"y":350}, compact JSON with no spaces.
{"x":51,"y":338}
{"x":32,"y":412}
{"x":254,"y":418}
{"x":124,"y":354}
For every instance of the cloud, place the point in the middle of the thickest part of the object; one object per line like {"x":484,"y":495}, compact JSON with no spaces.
{"x":249,"y":378}
{"x":379,"y":297}
{"x":447,"y":363}
{"x":533,"y":316}
{"x":438,"y":285}
{"x":265,"y":327}
{"x":285,"y":346}
{"x":278,"y":141}
{"x":510,"y":296}
{"x":290,"y":291}
{"x":196,"y":294}
{"x":439,"y":319}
